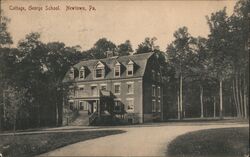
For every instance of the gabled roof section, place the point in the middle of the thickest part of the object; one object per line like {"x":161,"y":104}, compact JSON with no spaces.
{"x":99,"y":64}
{"x":130,"y":62}
{"x":117,"y":63}
{"x":140,"y":60}
{"x":82,"y":67}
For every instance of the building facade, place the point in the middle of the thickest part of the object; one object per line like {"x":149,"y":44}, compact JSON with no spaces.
{"x":128,"y":87}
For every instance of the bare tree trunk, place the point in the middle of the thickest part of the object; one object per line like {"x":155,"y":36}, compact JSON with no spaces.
{"x":39,"y":116}
{"x":201,"y":101}
{"x":221,"y":100}
{"x":4,"y":104}
{"x":235,"y":101}
{"x":245,"y":97}
{"x":214,"y":107}
{"x":178,"y":103}
{"x":181,"y":105}
{"x":57,"y":118}
{"x":241,"y":99}
{"x":237,"y":95}
{"x":14,"y":126}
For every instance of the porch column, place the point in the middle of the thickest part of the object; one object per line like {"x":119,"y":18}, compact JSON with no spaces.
{"x":98,"y":107}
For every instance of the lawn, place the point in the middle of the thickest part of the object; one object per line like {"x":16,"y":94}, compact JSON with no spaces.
{"x":34,"y":144}
{"x":224,"y":142}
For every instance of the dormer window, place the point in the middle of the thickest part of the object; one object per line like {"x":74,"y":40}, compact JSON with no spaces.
{"x":100,"y":70}
{"x":117,"y":69}
{"x":82,"y":73}
{"x":71,"y":73}
{"x":130,"y":68}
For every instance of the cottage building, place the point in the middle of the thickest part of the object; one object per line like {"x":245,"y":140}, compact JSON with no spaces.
{"x":128,"y":87}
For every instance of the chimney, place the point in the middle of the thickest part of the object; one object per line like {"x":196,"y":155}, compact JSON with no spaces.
{"x":109,"y":54}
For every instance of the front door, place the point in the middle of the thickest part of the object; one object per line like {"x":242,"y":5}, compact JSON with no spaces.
{"x":92,"y":106}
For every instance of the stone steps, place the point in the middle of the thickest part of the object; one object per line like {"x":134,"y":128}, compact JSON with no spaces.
{"x":81,"y":120}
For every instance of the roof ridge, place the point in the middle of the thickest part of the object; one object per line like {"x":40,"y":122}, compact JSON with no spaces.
{"x":116,"y":57}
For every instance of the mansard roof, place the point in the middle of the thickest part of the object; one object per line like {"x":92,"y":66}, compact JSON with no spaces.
{"x":139,"y":60}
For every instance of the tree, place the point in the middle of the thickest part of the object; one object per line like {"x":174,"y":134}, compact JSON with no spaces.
{"x":7,"y":60}
{"x":219,"y":46}
{"x":147,"y":46}
{"x":239,"y":55}
{"x":31,"y":74}
{"x":5,"y":37}
{"x":125,"y":48}
{"x":58,"y":60}
{"x":178,"y":53}
{"x":101,"y":47}
{"x":199,"y":64}
{"x":14,"y":105}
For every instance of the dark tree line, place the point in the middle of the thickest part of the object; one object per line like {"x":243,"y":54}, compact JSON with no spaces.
{"x":204,"y":77}
{"x":217,"y":67}
{"x":31,"y":74}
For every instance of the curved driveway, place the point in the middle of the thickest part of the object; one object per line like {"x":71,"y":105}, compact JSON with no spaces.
{"x":137,"y":141}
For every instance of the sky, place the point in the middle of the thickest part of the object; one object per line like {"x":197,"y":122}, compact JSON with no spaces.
{"x":115,"y":20}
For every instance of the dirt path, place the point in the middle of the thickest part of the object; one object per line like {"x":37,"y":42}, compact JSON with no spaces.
{"x":137,"y":141}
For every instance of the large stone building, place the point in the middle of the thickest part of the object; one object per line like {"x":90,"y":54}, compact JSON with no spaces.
{"x":128,"y":87}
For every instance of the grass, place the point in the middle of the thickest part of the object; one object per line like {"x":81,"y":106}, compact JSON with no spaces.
{"x":224,"y":142}
{"x":35,"y":144}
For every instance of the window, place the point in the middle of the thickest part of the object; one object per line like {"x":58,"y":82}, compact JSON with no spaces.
{"x":81,"y":89}
{"x":71,"y":73}
{"x":71,"y":104}
{"x":153,"y":106}
{"x":71,"y":91}
{"x":94,"y":91}
{"x":130,"y":68}
{"x":117,"y":88}
{"x":82,"y":73}
{"x":103,"y":87}
{"x":99,"y":73}
{"x":118,"y":106}
{"x":130,"y":88}
{"x":117,"y":71}
{"x":100,"y":70}
{"x":130,"y":104}
{"x":159,"y":106}
{"x":153,"y":90}
{"x":159,"y":92}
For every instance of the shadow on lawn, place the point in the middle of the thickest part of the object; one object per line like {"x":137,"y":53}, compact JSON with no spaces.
{"x":35,"y":144}
{"x":223,"y":142}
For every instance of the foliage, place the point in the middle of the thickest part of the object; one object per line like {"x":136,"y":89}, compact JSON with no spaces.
{"x":28,"y":145}
{"x":147,"y":46}
{"x":101,"y":47}
{"x":125,"y":48}
{"x":34,"y":70}
{"x":211,"y":143}
{"x":14,"y":106}
{"x":179,"y":52}
{"x":5,"y":37}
